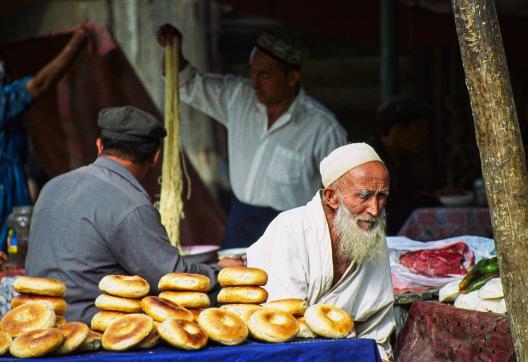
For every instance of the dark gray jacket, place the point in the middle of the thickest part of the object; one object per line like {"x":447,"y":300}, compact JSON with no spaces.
{"x":94,"y":221}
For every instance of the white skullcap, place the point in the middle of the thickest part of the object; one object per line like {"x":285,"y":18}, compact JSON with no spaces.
{"x":345,"y":158}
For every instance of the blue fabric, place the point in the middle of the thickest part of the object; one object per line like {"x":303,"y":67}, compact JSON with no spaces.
{"x":353,"y":350}
{"x":246,"y":223}
{"x":14,"y":100}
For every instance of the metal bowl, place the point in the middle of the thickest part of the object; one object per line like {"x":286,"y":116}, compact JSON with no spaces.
{"x":232,"y":253}
{"x":200,"y":253}
{"x":457,"y":200}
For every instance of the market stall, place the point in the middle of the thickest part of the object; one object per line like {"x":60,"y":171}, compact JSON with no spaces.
{"x":134,"y":326}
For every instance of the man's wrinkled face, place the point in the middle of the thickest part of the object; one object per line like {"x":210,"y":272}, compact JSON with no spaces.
{"x":364,"y":191}
{"x":272,"y":84}
{"x":357,"y":244}
{"x":360,"y":216}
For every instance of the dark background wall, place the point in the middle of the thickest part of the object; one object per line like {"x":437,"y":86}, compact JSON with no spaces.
{"x":342,"y":71}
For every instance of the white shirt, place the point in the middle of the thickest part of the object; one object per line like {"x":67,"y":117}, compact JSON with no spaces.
{"x":296,"y":253}
{"x":276,"y":167}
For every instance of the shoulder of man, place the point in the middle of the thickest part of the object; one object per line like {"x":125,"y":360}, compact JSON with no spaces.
{"x":240,"y":85}
{"x":119,"y":186}
{"x":107,"y":184}
{"x":234,"y":81}
{"x":318,"y":112}
{"x":296,"y":220}
{"x":60,"y":179}
{"x":60,"y":187}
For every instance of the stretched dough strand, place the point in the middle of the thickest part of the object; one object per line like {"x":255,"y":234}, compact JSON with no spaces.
{"x":171,"y":205}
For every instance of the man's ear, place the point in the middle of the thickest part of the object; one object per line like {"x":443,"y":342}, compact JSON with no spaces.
{"x":330,"y":195}
{"x":99,"y":145}
{"x":294,"y":77}
{"x":155,"y":158}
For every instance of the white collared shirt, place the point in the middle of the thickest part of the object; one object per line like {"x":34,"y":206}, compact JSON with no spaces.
{"x":296,"y":252}
{"x":276,"y":167}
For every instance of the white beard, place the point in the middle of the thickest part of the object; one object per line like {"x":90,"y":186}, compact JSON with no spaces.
{"x":356,"y":244}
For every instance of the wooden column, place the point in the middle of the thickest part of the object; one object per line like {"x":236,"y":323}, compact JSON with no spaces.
{"x":501,"y":152}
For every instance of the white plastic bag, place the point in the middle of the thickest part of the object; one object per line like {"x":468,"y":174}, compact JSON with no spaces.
{"x":470,"y":301}
{"x":492,"y":289}
{"x":493,"y":305}
{"x":449,"y":292}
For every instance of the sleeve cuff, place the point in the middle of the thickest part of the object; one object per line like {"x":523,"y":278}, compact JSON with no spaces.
{"x":216,"y":268}
{"x":385,"y":351}
{"x":382,"y":353}
{"x":186,"y":74}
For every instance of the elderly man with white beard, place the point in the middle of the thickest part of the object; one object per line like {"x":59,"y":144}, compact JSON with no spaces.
{"x":333,"y":250}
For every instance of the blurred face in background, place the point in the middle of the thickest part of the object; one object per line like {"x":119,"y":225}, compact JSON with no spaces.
{"x":272,"y":82}
{"x":413,"y":136}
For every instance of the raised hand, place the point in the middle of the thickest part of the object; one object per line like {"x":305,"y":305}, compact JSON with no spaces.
{"x":168,"y":33}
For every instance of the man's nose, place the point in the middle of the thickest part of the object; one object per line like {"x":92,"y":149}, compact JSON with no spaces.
{"x":373,"y":207}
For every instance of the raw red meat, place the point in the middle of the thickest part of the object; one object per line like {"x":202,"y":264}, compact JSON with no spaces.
{"x":454,"y":259}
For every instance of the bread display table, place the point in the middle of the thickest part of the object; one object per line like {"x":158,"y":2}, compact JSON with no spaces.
{"x":440,"y":332}
{"x":357,"y":350}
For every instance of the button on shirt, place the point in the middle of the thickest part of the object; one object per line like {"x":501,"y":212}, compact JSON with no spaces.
{"x":274,"y":167}
{"x":95,"y":221}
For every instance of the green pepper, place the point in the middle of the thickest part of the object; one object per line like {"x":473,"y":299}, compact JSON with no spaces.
{"x":483,"y":267}
{"x":492,"y":267}
{"x":476,"y":284}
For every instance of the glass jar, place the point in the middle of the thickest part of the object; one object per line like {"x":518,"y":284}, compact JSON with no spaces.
{"x":17,"y":241}
{"x":480,"y":192}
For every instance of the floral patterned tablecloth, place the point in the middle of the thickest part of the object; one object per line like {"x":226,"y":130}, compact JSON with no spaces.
{"x":435,"y":223}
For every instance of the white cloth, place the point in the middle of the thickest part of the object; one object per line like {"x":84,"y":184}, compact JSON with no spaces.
{"x":343,"y":159}
{"x":276,"y":167}
{"x":296,"y":253}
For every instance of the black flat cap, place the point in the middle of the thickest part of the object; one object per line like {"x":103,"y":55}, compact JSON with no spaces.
{"x":129,"y":124}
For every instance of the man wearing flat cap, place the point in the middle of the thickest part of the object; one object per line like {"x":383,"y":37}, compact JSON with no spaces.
{"x":277,"y":135}
{"x":333,"y":249}
{"x":98,"y":220}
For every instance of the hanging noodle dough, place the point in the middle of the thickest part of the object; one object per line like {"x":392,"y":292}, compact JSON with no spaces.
{"x":171,"y":205}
